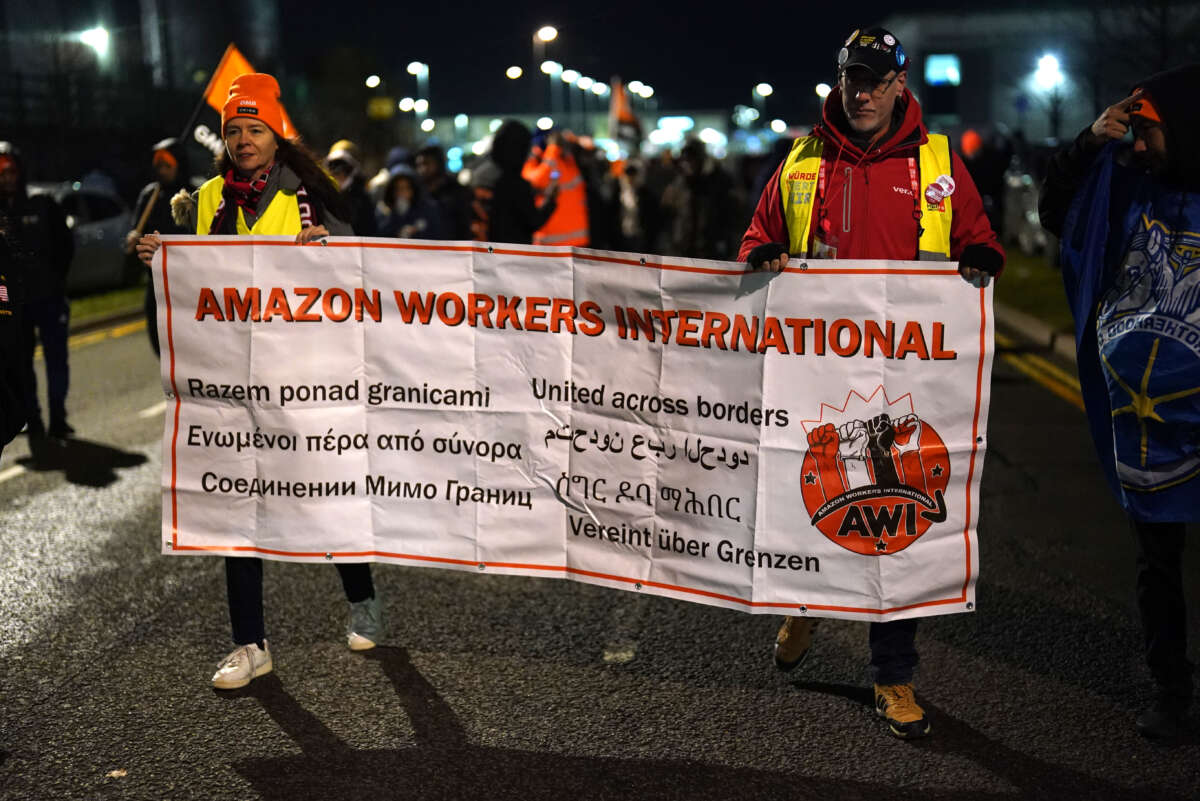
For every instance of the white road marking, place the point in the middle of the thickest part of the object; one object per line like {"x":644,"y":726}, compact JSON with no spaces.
{"x":157,"y":408}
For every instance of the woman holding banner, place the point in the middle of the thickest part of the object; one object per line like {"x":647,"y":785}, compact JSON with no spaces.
{"x":268,"y":184}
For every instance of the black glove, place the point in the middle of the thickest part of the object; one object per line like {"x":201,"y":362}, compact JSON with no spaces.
{"x":768,"y":251}
{"x":980,"y":257}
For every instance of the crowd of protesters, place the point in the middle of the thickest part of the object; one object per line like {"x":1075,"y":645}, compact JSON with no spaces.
{"x":556,"y":188}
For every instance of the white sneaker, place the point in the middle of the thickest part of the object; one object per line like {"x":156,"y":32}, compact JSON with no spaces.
{"x":246,"y":662}
{"x":357,"y":642}
{"x":366,"y":624}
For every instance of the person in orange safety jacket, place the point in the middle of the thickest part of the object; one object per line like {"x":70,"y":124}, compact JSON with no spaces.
{"x":568,"y":225}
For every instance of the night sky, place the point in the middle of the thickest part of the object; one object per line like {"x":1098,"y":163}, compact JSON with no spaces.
{"x":695,"y":56}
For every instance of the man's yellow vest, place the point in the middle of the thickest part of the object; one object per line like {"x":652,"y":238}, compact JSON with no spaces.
{"x":281,"y":218}
{"x":798,"y":188}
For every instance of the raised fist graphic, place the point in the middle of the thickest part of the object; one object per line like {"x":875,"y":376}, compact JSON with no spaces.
{"x":853,"y":453}
{"x":908,"y":443}
{"x":879,"y":429}
{"x":823,"y":441}
{"x":823,"y":445}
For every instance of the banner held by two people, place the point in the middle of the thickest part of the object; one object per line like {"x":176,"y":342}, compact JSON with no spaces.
{"x":810,"y":442}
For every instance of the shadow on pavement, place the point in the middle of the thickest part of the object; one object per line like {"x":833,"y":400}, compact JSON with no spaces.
{"x":445,"y":764}
{"x":81,"y":462}
{"x":1033,"y":777}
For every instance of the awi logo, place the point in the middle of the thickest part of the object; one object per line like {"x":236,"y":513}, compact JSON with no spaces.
{"x":875,"y":475}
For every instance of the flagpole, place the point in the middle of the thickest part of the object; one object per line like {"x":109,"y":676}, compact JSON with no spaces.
{"x":208,"y":88}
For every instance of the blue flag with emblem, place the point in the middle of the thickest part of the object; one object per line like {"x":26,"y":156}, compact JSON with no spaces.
{"x":1131,"y":266}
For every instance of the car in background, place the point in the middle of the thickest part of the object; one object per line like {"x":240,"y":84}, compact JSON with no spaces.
{"x":98,"y":219}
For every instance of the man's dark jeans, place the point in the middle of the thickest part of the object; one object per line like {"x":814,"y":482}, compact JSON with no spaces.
{"x":1162,"y":606}
{"x":50,"y":320}
{"x":893,"y":651}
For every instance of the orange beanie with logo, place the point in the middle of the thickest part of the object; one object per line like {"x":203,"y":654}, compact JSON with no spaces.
{"x":255,"y":95}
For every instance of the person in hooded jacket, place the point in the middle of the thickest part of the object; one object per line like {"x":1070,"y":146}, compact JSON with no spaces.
{"x":452,"y":198}
{"x":42,"y":245}
{"x":345,"y":166}
{"x":872,"y":183}
{"x":267,"y":184}
{"x":154,"y":204}
{"x":703,"y":204}
{"x":406,"y":211}
{"x":1128,"y":215}
{"x":503,"y":208}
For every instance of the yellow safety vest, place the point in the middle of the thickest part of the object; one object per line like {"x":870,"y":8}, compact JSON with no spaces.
{"x":281,"y":218}
{"x":798,"y":188}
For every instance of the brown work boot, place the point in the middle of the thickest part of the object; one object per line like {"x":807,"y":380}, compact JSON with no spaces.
{"x":905,"y":717}
{"x":793,"y":642}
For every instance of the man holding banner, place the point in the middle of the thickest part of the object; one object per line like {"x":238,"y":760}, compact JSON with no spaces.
{"x":919,"y":203}
{"x":268,"y":184}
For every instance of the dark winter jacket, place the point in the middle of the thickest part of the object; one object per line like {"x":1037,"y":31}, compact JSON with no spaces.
{"x":503,"y":207}
{"x":362,"y":220}
{"x":40,"y":243}
{"x":160,"y":216}
{"x":12,"y":374}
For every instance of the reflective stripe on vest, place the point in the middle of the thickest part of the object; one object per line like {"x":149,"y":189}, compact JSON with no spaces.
{"x":798,"y":189}
{"x":281,"y":217}
{"x":578,"y":237}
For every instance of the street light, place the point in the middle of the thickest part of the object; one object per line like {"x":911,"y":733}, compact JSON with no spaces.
{"x":545,"y":123}
{"x":427,"y":125}
{"x":97,"y":39}
{"x":1047,"y":80}
{"x":554,"y":70}
{"x":421,"y":106}
{"x":372,"y":81}
{"x":1049,"y":75}
{"x":541,"y":37}
{"x":600,"y":89}
{"x":421,"y":71}
{"x":570,"y":76}
{"x":514,"y":72}
{"x":406,"y":104}
{"x":823,"y":90}
{"x":778,"y":126}
{"x":764,"y":90}
{"x":585,"y":83}
{"x":647,"y":92}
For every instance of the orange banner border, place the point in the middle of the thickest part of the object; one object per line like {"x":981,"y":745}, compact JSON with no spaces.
{"x":648,"y":263}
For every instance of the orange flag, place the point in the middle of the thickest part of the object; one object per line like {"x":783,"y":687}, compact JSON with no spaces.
{"x":233,"y":64}
{"x":623,"y":124}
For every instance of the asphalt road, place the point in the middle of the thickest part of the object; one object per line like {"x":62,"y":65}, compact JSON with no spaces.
{"x":502,"y":687}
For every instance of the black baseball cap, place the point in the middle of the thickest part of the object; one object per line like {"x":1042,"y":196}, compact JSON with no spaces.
{"x":874,"y":48}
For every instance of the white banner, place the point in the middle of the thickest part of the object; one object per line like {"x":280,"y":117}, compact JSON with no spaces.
{"x":808,"y":442}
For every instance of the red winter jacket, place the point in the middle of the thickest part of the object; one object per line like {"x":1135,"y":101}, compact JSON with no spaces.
{"x":878,"y":221}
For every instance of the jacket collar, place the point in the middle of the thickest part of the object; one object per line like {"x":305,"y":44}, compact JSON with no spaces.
{"x":908,"y":130}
